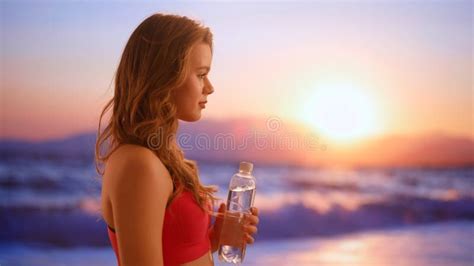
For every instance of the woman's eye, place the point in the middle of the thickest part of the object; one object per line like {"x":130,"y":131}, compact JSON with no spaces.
{"x":202,"y":76}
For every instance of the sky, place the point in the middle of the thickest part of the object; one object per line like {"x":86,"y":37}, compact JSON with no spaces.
{"x":348,"y":69}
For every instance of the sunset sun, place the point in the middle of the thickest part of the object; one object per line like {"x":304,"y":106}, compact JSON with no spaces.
{"x":342,"y":112}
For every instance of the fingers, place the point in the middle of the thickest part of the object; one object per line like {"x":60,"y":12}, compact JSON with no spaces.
{"x":254,"y":211}
{"x":250,"y":229}
{"x":252,"y":219}
{"x":249,"y":239}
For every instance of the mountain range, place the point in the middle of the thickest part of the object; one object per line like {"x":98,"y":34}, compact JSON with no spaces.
{"x":270,"y":141}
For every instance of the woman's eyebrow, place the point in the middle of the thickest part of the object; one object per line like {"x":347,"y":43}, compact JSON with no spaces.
{"x":204,"y":67}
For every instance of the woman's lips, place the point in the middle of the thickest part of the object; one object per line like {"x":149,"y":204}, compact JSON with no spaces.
{"x":203,"y":104}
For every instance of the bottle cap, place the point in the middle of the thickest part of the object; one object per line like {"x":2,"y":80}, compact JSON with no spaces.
{"x":246,"y":167}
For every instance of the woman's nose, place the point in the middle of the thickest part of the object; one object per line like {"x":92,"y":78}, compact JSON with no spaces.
{"x":209,"y":88}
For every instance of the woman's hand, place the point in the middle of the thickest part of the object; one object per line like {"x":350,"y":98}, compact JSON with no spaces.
{"x":249,"y":226}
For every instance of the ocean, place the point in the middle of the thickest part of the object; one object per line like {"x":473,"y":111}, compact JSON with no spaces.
{"x":308,"y":216}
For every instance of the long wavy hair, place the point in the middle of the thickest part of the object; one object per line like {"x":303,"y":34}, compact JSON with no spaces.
{"x":155,"y":62}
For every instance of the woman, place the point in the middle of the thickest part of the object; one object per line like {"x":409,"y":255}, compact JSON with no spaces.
{"x":155,"y":207}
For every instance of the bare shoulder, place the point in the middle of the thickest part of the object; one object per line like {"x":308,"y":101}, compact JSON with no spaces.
{"x":135,"y":155}
{"x":130,"y":164}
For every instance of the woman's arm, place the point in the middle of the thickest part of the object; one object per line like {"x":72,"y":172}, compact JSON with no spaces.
{"x":139,"y":198}
{"x":214,"y":240}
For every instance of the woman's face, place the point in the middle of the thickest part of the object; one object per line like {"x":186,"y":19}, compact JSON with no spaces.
{"x":190,"y":98}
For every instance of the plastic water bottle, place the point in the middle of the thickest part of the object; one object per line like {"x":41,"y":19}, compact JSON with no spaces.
{"x":240,"y":199}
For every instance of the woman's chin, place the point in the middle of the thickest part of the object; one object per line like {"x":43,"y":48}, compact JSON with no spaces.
{"x":191,"y":117}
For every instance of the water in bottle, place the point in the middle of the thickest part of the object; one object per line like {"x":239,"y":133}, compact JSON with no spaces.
{"x":240,"y":199}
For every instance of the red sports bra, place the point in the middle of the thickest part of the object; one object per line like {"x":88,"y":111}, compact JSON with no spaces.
{"x":186,"y":231}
